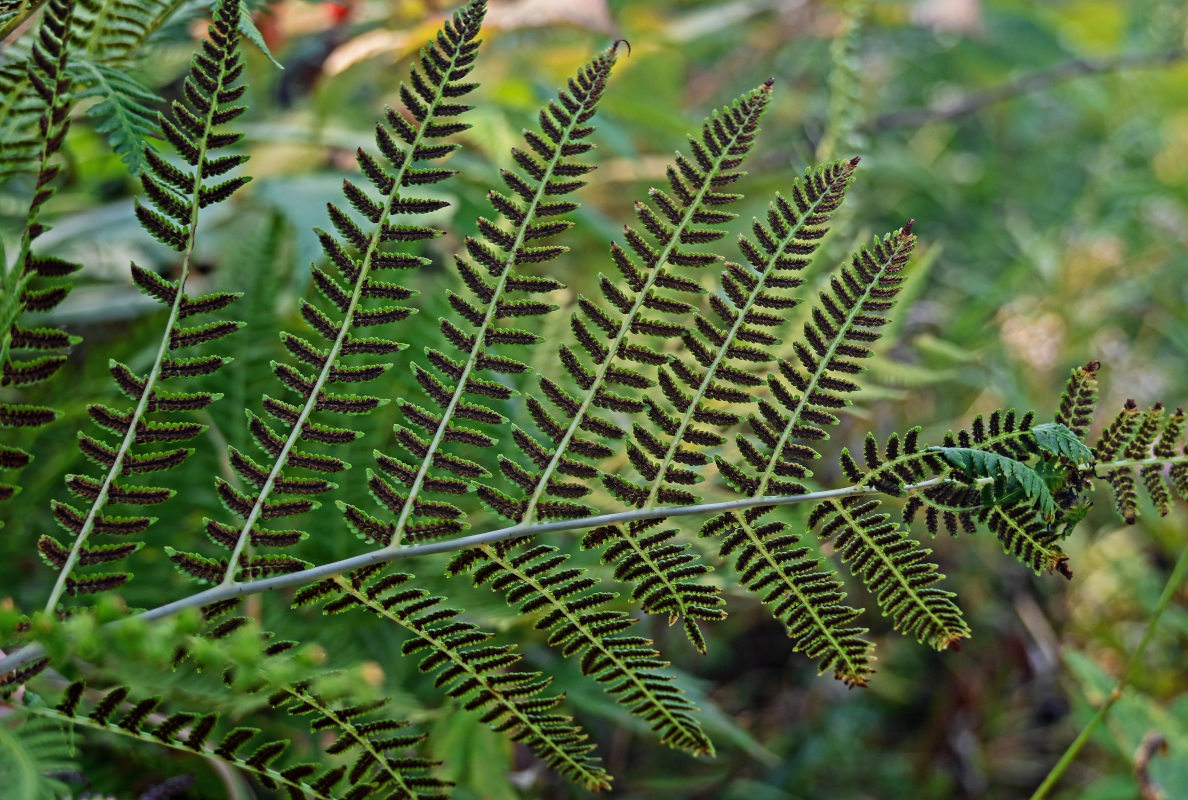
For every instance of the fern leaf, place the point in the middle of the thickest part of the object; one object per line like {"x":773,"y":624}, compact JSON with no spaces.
{"x":535,"y":213}
{"x":467,"y":669}
{"x":1009,"y":476}
{"x":1078,"y":403}
{"x":125,"y":112}
{"x":703,"y":391}
{"x":534,"y":578}
{"x":33,"y":282}
{"x":1146,"y":443}
{"x":174,"y":197}
{"x":438,"y":83}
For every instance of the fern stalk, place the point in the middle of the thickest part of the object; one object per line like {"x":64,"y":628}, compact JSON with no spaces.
{"x":295,"y":434}
{"x":628,"y":320}
{"x":578,"y":117}
{"x":196,"y":201}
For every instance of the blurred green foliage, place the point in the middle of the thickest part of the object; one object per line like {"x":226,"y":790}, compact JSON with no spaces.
{"x":1054,"y":211}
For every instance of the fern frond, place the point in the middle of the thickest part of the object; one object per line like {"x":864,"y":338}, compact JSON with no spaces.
{"x":534,"y":578}
{"x":467,"y":669}
{"x":703,"y":390}
{"x":535,"y":210}
{"x":125,"y":112}
{"x":432,"y":102}
{"x":33,"y":282}
{"x":174,"y":197}
{"x":116,"y":713}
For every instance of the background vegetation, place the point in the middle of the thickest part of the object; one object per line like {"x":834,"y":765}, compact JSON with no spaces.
{"x":1043,"y":151}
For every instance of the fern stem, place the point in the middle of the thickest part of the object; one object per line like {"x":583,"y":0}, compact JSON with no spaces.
{"x":1135,"y":462}
{"x":23,"y":11}
{"x":856,"y":308}
{"x":489,"y":317}
{"x":328,"y":366}
{"x":629,"y":318}
{"x":1178,"y":573}
{"x":382,"y":555}
{"x":154,"y":375}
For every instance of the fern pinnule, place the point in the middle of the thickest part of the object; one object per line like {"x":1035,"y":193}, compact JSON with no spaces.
{"x":703,"y":390}
{"x":175,"y":196}
{"x":34,"y":283}
{"x":473,"y":673}
{"x":355,"y":299}
{"x":491,"y":270}
{"x":535,"y":579}
{"x":1146,"y":442}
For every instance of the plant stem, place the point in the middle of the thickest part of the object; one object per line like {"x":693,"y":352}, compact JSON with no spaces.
{"x":1169,"y":589}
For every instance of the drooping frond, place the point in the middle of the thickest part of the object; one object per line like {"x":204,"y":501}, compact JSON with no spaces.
{"x":354,"y":299}
{"x":175,"y":194}
{"x":457,"y":383}
{"x":124,"y":111}
{"x":617,"y":333}
{"x":536,"y":579}
{"x":34,"y":283}
{"x":700,"y":391}
{"x":117,"y":712}
{"x":475,"y":674}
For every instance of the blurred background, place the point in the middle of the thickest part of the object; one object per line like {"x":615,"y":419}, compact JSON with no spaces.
{"x":1042,"y":149}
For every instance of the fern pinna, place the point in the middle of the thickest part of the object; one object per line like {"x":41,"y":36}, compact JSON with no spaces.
{"x":175,"y":196}
{"x":32,"y":283}
{"x":550,"y":171}
{"x":472,"y":672}
{"x":357,"y":254}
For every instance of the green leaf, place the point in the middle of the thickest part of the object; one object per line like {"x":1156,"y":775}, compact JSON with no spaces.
{"x":126,"y":112}
{"x":1059,"y":440}
{"x":1008,"y":474}
{"x":248,"y":28}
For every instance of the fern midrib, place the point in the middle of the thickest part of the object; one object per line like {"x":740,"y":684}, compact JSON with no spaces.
{"x":597,"y":643}
{"x":854,"y":670}
{"x":1052,"y":555}
{"x":1154,"y":461}
{"x":344,"y":331}
{"x":823,"y":367}
{"x":939,"y":625}
{"x":348,"y":727}
{"x":592,"y":780}
{"x":488,"y":319}
{"x":629,"y":318}
{"x":720,"y":356}
{"x":205,"y":750}
{"x":154,"y":375}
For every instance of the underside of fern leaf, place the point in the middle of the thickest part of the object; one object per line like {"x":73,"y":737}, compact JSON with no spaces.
{"x":355,"y":299}
{"x":477,"y":675}
{"x":175,"y":195}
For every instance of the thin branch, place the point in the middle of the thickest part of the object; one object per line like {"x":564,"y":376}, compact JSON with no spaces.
{"x":1169,"y":590}
{"x":1034,"y":82}
{"x":382,"y":555}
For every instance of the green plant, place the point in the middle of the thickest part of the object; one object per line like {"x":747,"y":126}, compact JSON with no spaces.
{"x":658,"y":369}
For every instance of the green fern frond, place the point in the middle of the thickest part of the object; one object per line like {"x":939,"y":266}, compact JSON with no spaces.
{"x":175,"y":194}
{"x":467,"y":669}
{"x":125,"y":113}
{"x":534,"y":578}
{"x":431,"y":98}
{"x":702,"y":391}
{"x":549,"y":171}
{"x":34,"y":283}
